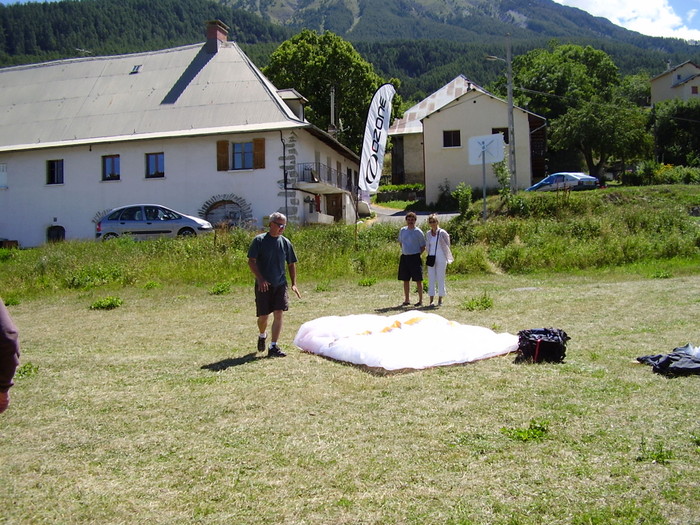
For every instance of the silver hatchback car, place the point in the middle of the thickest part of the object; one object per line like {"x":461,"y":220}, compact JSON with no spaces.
{"x":566,"y":180}
{"x":149,"y":221}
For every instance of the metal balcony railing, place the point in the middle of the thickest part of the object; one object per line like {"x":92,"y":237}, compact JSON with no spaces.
{"x":317,"y":172}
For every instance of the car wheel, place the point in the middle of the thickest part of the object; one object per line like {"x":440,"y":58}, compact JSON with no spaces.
{"x":108,"y":236}
{"x":186,"y":232}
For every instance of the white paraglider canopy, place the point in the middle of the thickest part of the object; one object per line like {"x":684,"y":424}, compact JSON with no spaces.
{"x":411,"y":339}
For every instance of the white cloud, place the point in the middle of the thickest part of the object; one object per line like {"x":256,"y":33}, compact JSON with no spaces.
{"x":649,"y":17}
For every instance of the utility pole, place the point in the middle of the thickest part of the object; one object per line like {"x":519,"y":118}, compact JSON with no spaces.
{"x":511,"y":124}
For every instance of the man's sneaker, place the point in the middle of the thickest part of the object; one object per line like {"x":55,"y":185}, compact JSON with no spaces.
{"x":261,"y":344}
{"x":275,"y":351}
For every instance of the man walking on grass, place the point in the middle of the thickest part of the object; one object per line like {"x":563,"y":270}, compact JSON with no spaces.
{"x":269,"y":256}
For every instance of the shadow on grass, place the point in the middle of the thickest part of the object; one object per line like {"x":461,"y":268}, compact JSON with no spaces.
{"x":233,"y":361}
{"x":402,"y":308}
{"x":371,"y":370}
{"x":384,"y":310}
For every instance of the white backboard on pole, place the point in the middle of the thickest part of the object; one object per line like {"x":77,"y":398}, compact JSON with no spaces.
{"x":487,"y":149}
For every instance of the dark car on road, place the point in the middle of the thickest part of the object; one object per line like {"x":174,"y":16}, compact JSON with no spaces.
{"x":149,"y":221}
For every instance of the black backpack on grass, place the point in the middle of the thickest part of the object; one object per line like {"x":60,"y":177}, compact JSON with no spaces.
{"x":539,"y":345}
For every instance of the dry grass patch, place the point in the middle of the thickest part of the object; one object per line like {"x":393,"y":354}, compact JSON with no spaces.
{"x":157,"y":412}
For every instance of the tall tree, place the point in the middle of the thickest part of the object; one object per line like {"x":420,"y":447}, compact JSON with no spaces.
{"x":316,"y":64}
{"x":553,"y":80}
{"x":588,"y":106}
{"x":676,"y":126}
{"x":603,"y":130}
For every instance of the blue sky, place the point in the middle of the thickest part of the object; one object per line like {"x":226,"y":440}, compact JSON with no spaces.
{"x":673,"y":18}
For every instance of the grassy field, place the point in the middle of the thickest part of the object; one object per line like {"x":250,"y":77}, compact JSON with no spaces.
{"x":158,"y":411}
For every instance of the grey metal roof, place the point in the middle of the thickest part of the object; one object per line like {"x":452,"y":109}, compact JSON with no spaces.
{"x":183,"y":91}
{"x":674,"y":68}
{"x":411,"y":121}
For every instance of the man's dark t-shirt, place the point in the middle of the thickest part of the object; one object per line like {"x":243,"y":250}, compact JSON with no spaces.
{"x":272,"y":254}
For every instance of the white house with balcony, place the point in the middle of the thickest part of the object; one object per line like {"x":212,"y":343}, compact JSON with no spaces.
{"x":430,"y":142}
{"x":196,"y":128}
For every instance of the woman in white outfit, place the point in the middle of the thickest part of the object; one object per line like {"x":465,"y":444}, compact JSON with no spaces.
{"x":437,"y":242}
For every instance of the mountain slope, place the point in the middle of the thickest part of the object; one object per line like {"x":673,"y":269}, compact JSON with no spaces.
{"x":424,"y":43}
{"x":456,"y":20}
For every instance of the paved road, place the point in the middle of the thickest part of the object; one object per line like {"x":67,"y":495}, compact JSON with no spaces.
{"x":398,"y":216}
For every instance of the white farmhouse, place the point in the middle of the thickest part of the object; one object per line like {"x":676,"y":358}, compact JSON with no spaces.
{"x":430,"y":143}
{"x":196,"y":128}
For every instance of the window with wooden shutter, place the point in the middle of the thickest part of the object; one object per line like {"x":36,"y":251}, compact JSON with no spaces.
{"x":258,"y":153}
{"x":222,"y":152}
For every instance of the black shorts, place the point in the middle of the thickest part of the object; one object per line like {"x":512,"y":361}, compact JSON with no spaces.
{"x":410,"y":267}
{"x":274,"y":299}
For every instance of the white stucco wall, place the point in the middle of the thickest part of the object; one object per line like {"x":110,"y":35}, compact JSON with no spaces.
{"x":28,"y":206}
{"x":473,"y":115}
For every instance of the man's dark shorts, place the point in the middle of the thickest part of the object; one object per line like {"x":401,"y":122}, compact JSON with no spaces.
{"x":410,"y":268}
{"x":275,"y":298}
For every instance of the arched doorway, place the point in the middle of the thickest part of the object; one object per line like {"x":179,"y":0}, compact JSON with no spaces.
{"x":55,"y":234}
{"x":227,"y":211}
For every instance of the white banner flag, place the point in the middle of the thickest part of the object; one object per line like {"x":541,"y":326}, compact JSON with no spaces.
{"x":374,"y":143}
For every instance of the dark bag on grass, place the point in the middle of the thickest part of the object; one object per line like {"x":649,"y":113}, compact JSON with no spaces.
{"x":684,"y":360}
{"x":539,"y":345}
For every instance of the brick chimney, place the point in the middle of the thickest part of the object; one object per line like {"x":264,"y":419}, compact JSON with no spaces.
{"x":217,"y":32}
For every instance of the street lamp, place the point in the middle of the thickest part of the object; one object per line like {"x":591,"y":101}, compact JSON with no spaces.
{"x":511,"y":126}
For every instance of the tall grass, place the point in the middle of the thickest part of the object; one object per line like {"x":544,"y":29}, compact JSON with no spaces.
{"x":549,"y":232}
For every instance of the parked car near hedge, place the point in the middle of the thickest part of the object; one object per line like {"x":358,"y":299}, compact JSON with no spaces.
{"x":149,"y":221}
{"x":565,"y":180}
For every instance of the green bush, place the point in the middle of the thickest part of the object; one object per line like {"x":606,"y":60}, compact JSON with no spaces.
{"x":653,"y":173}
{"x":535,"y":431}
{"x":26,"y":370}
{"x":98,"y":275}
{"x":367,"y":281}
{"x":447,"y":200}
{"x":481,"y":302}
{"x":6,"y":254}
{"x":220,"y":289}
{"x":463,"y":195}
{"x":677,"y":175}
{"x":107,"y":303}
{"x":400,"y":187}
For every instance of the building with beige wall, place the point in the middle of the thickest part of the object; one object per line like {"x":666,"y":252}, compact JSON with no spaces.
{"x":430,"y":142}
{"x":680,"y":82}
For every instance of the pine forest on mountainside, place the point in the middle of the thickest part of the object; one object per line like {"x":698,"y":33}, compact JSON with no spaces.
{"x":406,"y":39}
